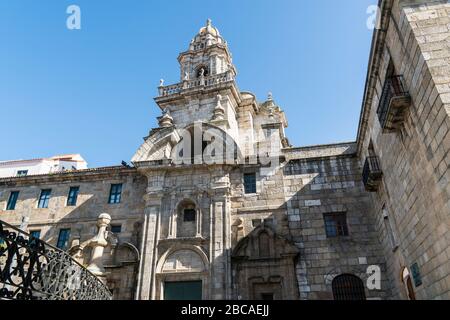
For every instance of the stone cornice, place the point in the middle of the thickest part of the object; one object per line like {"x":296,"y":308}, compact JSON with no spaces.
{"x":376,"y":51}
{"x":76,"y":175}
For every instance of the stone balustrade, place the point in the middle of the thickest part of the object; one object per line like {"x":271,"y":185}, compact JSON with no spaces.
{"x":196,"y":83}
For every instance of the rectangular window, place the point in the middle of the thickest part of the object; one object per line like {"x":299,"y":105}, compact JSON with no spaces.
{"x":116,"y":228}
{"x":22,"y":173}
{"x":44,"y":198}
{"x":12,"y":200}
{"x":63,"y":239}
{"x":115,"y":193}
{"x":335,"y":224}
{"x":189,"y":215}
{"x":72,"y":197}
{"x":250,"y":183}
{"x":35,"y":234}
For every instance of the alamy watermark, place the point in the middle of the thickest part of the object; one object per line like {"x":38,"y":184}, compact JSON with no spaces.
{"x":73,"y":21}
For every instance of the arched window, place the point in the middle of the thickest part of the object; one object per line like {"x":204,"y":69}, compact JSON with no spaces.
{"x":348,"y":287}
{"x":406,"y":279}
{"x":264,"y":245}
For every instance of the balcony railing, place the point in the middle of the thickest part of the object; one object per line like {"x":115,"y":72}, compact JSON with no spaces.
{"x":372,"y":173}
{"x":394,"y":100}
{"x":201,"y":82}
{"x":31,"y":269}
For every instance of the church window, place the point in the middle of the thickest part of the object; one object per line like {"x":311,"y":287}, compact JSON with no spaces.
{"x":115,"y":193}
{"x":335,"y":224}
{"x":250,"y":182}
{"x":63,"y":239}
{"x":72,"y":197}
{"x":117,"y":228}
{"x":44,"y":198}
{"x":12,"y":200}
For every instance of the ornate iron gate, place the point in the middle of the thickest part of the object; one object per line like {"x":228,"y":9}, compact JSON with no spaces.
{"x":31,"y":269}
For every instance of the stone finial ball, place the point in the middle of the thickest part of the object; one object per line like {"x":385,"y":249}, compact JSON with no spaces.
{"x":104,"y":218}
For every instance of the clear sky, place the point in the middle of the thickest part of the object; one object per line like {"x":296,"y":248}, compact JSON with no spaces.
{"x":91,"y":91}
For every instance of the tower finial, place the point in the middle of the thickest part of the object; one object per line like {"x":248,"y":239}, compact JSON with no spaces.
{"x":208,"y":22}
{"x":270,"y":96}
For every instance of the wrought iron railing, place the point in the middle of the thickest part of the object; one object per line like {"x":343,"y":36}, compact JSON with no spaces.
{"x":31,"y":269}
{"x":393,"y":87}
{"x":372,"y":173}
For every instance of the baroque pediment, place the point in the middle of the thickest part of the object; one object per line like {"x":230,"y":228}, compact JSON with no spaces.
{"x":157,"y":146}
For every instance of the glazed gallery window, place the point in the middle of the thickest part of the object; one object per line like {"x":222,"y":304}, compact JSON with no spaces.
{"x":250,"y":183}
{"x":72,"y":197}
{"x":44,"y":198}
{"x":115,"y":193}
{"x":12,"y":200}
{"x":335,"y":224}
{"x":63,"y":239}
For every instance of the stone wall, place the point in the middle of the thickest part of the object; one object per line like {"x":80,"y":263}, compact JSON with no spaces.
{"x":415,"y":159}
{"x":330,"y":182}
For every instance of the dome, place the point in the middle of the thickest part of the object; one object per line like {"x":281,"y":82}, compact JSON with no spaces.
{"x":209,"y":29}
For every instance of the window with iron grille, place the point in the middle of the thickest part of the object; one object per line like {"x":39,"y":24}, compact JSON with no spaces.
{"x":250,"y":183}
{"x":115,"y":193}
{"x":348,"y":287}
{"x":72,"y":197}
{"x":189,"y":215}
{"x":44,"y":198}
{"x":12,"y":200}
{"x":335,"y":224}
{"x":63,"y":239}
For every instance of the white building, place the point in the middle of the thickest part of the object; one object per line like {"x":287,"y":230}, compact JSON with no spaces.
{"x":67,"y":162}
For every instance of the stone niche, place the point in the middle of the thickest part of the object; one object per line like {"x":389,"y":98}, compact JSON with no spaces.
{"x":183,"y":261}
{"x":263,"y":266}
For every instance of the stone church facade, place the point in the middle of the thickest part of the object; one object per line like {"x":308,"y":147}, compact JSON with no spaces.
{"x":219,"y":205}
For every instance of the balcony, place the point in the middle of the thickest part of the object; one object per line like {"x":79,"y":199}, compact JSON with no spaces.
{"x":372,"y":174}
{"x":394,"y":101}
{"x":198,"y":83}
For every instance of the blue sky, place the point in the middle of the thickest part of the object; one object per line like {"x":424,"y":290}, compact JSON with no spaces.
{"x":91,"y":91}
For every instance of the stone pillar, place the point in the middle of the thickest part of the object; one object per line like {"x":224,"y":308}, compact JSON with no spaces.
{"x":152,"y":217}
{"x":220,"y":240}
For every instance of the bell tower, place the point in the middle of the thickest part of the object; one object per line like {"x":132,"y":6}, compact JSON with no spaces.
{"x":207,"y":55}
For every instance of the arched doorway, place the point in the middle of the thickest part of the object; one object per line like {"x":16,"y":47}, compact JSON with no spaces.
{"x":407,"y":283}
{"x":348,"y":287}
